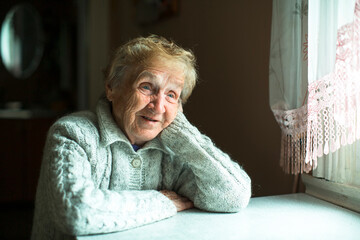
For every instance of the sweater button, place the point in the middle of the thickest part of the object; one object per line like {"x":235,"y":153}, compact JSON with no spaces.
{"x":136,"y":163}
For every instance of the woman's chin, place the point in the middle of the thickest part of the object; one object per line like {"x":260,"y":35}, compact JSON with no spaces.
{"x":145,"y":135}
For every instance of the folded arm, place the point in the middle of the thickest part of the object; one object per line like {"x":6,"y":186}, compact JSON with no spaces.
{"x":210,"y":178}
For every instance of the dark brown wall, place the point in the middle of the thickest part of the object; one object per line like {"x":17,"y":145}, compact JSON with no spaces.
{"x":231,"y":40}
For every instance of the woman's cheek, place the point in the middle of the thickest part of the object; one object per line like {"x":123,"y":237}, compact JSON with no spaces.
{"x":172,"y":114}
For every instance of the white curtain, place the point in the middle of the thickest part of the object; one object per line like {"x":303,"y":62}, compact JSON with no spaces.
{"x":329,"y":82}
{"x":334,"y":89}
{"x":288,"y":79}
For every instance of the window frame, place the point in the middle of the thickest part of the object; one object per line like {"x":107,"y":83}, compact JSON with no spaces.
{"x":345,"y":195}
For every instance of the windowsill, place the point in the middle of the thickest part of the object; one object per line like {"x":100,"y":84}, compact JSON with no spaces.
{"x":340,"y":194}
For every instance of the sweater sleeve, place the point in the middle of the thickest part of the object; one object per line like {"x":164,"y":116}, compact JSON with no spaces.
{"x":212,"y":180}
{"x":76,"y":206}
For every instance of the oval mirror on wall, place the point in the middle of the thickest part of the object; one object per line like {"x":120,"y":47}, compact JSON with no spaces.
{"x":21,"y":41}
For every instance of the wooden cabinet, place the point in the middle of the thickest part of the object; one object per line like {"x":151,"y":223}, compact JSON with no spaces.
{"x":21,"y":146}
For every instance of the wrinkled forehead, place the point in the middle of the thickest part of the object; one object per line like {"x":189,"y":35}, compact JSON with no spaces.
{"x":161,"y":68}
{"x":152,"y":74}
{"x":165,"y":66}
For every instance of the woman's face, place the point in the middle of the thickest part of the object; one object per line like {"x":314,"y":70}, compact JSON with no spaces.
{"x":150,"y":104}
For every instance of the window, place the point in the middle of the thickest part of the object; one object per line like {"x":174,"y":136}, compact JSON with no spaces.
{"x":315,"y":45}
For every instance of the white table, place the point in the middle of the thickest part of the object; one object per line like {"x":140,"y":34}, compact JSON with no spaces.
{"x":294,"y":216}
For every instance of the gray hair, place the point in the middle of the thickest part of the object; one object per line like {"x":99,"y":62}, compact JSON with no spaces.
{"x":133,"y":56}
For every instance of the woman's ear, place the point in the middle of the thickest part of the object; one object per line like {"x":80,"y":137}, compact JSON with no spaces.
{"x":180,"y":106}
{"x":109,"y":92}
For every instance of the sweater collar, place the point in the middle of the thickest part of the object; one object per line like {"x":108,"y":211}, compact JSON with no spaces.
{"x":110,"y":132}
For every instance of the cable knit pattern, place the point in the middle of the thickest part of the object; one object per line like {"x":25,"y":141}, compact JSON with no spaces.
{"x":219,"y":183}
{"x":92,"y":181}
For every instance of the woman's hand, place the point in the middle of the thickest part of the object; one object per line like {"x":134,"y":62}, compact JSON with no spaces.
{"x":181,"y":203}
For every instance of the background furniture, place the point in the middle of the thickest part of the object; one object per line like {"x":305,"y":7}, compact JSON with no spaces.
{"x":22,"y":141}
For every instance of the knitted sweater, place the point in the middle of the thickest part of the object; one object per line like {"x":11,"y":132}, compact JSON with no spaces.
{"x":92,"y":181}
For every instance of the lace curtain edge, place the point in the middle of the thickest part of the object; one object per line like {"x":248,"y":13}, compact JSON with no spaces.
{"x":331,"y":118}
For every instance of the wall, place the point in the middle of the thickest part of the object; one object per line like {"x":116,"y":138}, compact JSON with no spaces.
{"x":230,"y":104}
{"x":98,"y":46}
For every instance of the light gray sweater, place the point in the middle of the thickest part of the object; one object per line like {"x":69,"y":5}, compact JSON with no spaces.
{"x":92,"y":181}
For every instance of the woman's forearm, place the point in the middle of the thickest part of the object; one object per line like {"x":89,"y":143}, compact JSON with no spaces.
{"x":222,"y":185}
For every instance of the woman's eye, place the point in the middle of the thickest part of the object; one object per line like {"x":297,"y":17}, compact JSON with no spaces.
{"x":171,"y":97}
{"x":145,"y":88}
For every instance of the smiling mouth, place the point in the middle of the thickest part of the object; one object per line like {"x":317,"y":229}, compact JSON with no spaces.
{"x":149,"y":119}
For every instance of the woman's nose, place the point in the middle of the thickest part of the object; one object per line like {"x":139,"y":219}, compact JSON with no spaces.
{"x":157,"y":103}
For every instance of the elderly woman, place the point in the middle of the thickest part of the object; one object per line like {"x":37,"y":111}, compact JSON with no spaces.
{"x":137,"y":159}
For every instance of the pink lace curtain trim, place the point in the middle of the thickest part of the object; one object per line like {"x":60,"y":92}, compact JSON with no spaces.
{"x":293,"y":140}
{"x":333,"y":117}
